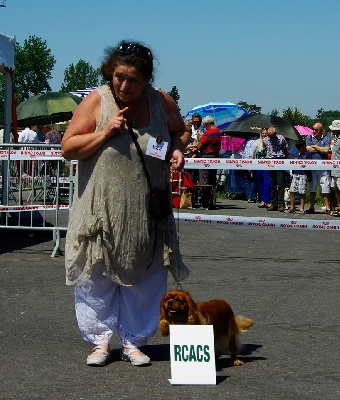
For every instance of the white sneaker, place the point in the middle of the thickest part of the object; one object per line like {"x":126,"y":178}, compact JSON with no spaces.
{"x":138,"y":360}
{"x":99,"y":357}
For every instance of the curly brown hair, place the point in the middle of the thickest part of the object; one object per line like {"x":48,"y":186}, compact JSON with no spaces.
{"x":114,"y":57}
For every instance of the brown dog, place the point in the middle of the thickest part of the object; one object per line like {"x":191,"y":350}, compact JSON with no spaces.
{"x":177,"y":307}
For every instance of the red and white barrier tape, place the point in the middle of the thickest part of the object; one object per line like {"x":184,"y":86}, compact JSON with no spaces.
{"x":261,"y":222}
{"x":43,"y":207}
{"x":197,"y":163}
{"x":30,"y":155}
{"x":263,"y":164}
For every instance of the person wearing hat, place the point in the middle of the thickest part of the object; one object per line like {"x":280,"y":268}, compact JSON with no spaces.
{"x":335,"y":173}
{"x":319,"y":144}
{"x":209,"y":146}
{"x":276,"y":147}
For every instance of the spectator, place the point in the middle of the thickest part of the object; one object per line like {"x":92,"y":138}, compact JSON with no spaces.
{"x":299,"y":179}
{"x":261,"y":177}
{"x":28,"y":136}
{"x":276,"y":147}
{"x":1,"y":133}
{"x":41,"y":133}
{"x":319,"y":146}
{"x":335,"y":128}
{"x":196,"y":127}
{"x":249,"y":181}
{"x":210,"y":146}
{"x":52,"y":136}
{"x":191,"y":150}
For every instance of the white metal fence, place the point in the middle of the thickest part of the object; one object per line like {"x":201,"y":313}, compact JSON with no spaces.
{"x":36,"y":189}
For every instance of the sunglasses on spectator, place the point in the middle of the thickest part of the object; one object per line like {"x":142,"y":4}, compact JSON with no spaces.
{"x":316,"y":130}
{"x":140,"y":51}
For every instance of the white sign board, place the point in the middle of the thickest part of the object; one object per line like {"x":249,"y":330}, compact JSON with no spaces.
{"x":192,"y":355}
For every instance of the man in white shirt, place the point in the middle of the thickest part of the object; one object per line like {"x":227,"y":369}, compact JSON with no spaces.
{"x":28,"y":136}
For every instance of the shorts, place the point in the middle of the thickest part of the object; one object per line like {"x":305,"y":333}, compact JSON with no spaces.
{"x":335,"y":182}
{"x":298,"y":184}
{"x":321,"y":177}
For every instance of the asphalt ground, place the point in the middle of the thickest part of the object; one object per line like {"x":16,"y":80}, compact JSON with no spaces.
{"x":286,"y":280}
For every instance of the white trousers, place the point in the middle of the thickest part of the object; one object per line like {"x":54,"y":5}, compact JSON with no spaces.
{"x":103,"y":307}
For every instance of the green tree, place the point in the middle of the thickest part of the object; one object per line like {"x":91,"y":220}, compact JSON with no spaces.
{"x":175,"y":95}
{"x":295,"y":116}
{"x":33,"y":68}
{"x":251,"y":108}
{"x":33,"y":63}
{"x":326,"y":117}
{"x":275,"y":113}
{"x":80,"y":76}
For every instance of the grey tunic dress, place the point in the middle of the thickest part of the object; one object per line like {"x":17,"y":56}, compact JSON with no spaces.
{"x":110,"y":222}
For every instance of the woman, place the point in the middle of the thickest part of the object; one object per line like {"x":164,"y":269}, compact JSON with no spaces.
{"x":52,"y":136}
{"x":117,"y":255}
{"x":261,"y":178}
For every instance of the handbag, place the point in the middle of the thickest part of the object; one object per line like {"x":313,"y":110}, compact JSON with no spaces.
{"x":186,"y":201}
{"x":159,"y":198}
{"x":159,"y":202}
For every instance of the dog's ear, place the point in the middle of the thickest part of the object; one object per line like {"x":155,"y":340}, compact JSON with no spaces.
{"x":192,"y":314}
{"x":163,"y":318}
{"x":164,"y":327}
{"x":162,"y":310}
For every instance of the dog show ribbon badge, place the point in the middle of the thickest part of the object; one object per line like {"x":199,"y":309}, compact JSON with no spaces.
{"x":157,"y":148}
{"x":192,"y":355}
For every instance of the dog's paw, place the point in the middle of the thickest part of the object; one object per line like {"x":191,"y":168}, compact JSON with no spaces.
{"x":237,"y":363}
{"x":164,"y":327}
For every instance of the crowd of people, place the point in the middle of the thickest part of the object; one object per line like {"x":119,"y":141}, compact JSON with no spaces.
{"x":268,"y":187}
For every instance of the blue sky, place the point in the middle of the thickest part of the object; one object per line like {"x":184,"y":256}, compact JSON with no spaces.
{"x":271,"y":53}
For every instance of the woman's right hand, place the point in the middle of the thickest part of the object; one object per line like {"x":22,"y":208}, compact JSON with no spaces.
{"x":81,"y":140}
{"x":116,"y":123}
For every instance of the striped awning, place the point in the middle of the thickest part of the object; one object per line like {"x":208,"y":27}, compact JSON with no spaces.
{"x":83,"y":92}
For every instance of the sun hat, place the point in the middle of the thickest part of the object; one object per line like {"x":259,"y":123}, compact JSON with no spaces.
{"x":335,"y":125}
{"x":208,"y":120}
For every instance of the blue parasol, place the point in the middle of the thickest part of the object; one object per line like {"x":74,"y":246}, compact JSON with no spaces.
{"x":224,"y":113}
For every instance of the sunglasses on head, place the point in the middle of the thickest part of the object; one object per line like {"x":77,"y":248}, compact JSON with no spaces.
{"x":139,"y":50}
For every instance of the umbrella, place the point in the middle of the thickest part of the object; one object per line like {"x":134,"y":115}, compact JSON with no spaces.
{"x":47,"y":108}
{"x":224,"y":113}
{"x":251,"y":125}
{"x":83,"y":92}
{"x":303,"y":130}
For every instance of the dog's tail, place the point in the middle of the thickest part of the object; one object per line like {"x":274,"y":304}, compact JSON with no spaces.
{"x":243,"y":323}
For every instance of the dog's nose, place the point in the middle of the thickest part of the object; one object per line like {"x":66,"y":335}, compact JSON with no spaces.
{"x":170,"y":302}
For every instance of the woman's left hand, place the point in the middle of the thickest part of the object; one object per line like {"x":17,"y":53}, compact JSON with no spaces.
{"x":177,"y":161}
